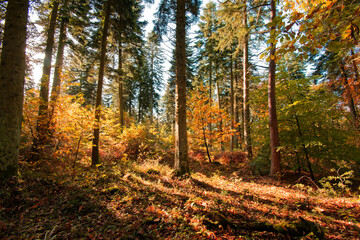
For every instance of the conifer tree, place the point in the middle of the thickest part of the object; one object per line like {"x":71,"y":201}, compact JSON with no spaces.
{"x":43,"y":120}
{"x":95,"y":147}
{"x":165,"y":13}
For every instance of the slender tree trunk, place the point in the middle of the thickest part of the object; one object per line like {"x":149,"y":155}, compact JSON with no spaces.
{"x":236,"y":105}
{"x":95,"y":145}
{"x":55,"y":90}
{"x":56,"y":87}
{"x":274,"y":132}
{"x":219,"y":105}
{"x":303,"y":145}
{"x":181,"y":145}
{"x":210,"y":98}
{"x":43,"y":115}
{"x":139,"y":106}
{"x":247,"y":136}
{"x":121,"y":97}
{"x":206,"y":145}
{"x":232,"y":138}
{"x":12,"y":78}
{"x":349,"y":97}
{"x":241,"y":107}
{"x":152,"y":88}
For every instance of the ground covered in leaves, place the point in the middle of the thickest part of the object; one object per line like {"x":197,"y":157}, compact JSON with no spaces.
{"x":143,"y":201}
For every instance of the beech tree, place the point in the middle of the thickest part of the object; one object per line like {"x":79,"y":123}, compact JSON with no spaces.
{"x":12,"y":78}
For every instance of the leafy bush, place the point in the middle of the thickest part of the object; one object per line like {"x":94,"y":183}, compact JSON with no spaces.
{"x":340,"y":182}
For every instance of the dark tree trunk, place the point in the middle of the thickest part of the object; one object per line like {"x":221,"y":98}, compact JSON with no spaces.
{"x":349,"y":97}
{"x":274,"y":132}
{"x":221,"y":123}
{"x":232,"y":139}
{"x":43,"y":120}
{"x":56,"y":87}
{"x":12,"y":76}
{"x":181,"y":145}
{"x":121,"y":97}
{"x":95,"y":148}
{"x":210,"y":98}
{"x":247,"y":136}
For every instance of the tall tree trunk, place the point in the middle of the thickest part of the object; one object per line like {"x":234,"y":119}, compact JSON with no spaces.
{"x":247,"y":136}
{"x":349,"y":97}
{"x":95,"y":145}
{"x":274,"y":131}
{"x":219,"y":104}
{"x":232,"y":138}
{"x":121,"y":97}
{"x":236,"y":106}
{"x":43,"y":120}
{"x":210,"y":99}
{"x":12,"y":78}
{"x":241,"y":104}
{"x":56,"y":87}
{"x":152,"y":87}
{"x":181,"y":145}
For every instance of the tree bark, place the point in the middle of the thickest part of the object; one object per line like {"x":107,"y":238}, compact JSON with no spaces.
{"x":221,"y":122}
{"x":56,"y":87}
{"x":43,"y":120}
{"x":181,"y":145}
{"x":232,"y":138}
{"x":55,"y":90}
{"x":121,"y":97}
{"x":12,"y":78}
{"x":247,"y":135}
{"x":210,"y":98}
{"x":274,"y":131}
{"x":349,"y":97}
{"x":95,"y":146}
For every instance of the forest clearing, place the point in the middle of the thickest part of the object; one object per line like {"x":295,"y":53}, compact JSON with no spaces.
{"x":180,"y":119}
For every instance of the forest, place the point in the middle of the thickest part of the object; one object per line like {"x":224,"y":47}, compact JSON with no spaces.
{"x":180,"y":119}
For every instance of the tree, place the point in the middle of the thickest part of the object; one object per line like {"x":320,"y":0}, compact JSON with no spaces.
{"x":12,"y":78}
{"x":43,"y":120}
{"x":247,"y":136}
{"x":95,"y":147}
{"x":181,"y":144}
{"x":274,"y":131}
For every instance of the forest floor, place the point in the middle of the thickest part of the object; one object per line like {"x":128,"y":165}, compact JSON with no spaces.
{"x":143,"y":201}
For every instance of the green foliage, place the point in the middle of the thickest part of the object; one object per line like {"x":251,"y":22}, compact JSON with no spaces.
{"x":339,"y":183}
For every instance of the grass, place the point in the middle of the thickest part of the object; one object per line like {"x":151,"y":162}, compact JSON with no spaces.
{"x":142,"y":201}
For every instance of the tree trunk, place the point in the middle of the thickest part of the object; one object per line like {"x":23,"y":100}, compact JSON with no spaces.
{"x":152,"y":87}
{"x":349,"y":97}
{"x":236,"y":105}
{"x":303,"y":145}
{"x":12,"y":76}
{"x":43,"y":120}
{"x":219,"y":104}
{"x":95,"y":146}
{"x":274,"y":132}
{"x":232,"y":138}
{"x":56,"y":87}
{"x":247,"y":136}
{"x":121,"y":97}
{"x":181,"y":145}
{"x":210,"y":99}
